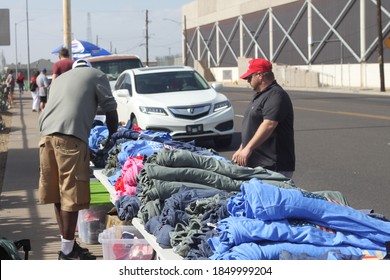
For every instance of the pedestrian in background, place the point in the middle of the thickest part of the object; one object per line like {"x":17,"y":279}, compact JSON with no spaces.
{"x":268,"y":125}
{"x":65,"y":125}
{"x":20,"y":82}
{"x":63,"y":65}
{"x":10,"y":84}
{"x":35,"y":92}
{"x":43,"y":88}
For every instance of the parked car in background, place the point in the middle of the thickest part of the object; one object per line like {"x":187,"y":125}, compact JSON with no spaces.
{"x":113,"y":65}
{"x":174,"y":99}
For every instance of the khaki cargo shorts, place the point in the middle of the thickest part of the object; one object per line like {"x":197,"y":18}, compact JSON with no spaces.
{"x":64,"y":172}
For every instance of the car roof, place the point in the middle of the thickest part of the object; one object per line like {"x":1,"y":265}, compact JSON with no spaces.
{"x":111,"y":57}
{"x":159,"y":69}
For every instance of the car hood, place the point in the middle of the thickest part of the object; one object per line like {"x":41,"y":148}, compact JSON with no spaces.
{"x":180,"y":98}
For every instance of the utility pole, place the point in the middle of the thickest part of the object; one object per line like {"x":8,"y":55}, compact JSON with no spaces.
{"x":89,"y":28}
{"x":67,"y":25}
{"x":147,"y":38}
{"x":380,"y":45}
{"x":185,"y":41}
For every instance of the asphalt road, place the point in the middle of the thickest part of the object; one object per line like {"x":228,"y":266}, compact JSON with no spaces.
{"x":342,"y":143}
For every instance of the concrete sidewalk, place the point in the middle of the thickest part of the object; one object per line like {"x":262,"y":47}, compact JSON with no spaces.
{"x":20,"y":214}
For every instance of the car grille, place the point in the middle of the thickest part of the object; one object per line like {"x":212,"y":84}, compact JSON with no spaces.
{"x":191,"y":112}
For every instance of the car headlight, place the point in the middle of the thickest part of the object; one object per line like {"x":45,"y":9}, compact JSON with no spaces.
{"x":153,"y":111}
{"x":222,"y":105}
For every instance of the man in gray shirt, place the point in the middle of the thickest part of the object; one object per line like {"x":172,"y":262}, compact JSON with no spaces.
{"x":43,"y":88}
{"x":65,"y":126}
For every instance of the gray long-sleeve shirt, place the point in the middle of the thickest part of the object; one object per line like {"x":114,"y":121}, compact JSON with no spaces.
{"x":73,"y":101}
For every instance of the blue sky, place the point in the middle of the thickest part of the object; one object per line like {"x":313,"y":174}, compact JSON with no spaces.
{"x":116,"y":25}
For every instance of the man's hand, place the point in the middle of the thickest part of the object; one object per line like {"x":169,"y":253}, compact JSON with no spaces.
{"x":241,"y":156}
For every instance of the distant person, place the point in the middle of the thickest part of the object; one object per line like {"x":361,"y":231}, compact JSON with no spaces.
{"x":20,"y":82}
{"x":35,"y":92}
{"x":43,"y":88}
{"x":63,"y":65}
{"x":268,"y":124}
{"x":65,"y":125}
{"x":10,"y":84}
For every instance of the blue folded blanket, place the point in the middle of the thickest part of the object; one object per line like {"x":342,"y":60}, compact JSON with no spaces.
{"x":258,"y":200}
{"x":234,"y":231}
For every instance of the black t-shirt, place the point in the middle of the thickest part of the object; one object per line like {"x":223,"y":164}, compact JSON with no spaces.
{"x":277,"y":153}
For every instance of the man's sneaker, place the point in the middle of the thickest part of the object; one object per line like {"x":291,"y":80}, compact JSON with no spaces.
{"x":74,"y":256}
{"x":78,"y":248}
{"x":78,"y":253}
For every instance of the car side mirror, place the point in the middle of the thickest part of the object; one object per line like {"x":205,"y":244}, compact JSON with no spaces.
{"x":123,"y":93}
{"x":217,"y":86}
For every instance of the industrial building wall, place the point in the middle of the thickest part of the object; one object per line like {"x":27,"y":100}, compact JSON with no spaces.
{"x":306,"y":34}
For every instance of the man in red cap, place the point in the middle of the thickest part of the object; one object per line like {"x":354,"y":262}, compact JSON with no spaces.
{"x":267,"y":137}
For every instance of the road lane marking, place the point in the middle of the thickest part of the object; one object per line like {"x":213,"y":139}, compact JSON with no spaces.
{"x":346,"y":113}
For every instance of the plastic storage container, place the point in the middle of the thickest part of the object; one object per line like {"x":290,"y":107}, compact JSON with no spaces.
{"x":92,"y":221}
{"x":124,"y":243}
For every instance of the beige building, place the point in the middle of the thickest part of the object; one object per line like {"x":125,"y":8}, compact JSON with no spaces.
{"x":311,"y":42}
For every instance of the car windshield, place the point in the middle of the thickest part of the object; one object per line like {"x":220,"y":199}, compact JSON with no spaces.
{"x":113,"y":68}
{"x":170,"y":81}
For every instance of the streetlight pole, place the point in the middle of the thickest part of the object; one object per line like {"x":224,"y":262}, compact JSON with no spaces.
{"x":16,"y":51}
{"x":16,"y":48}
{"x":28,"y":46}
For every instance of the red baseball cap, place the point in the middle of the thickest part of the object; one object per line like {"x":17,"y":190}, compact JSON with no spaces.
{"x":257,"y":65}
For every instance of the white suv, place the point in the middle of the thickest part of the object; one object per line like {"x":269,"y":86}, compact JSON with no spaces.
{"x":174,"y":99}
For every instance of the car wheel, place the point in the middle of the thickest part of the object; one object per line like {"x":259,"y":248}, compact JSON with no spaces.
{"x":223,"y":141}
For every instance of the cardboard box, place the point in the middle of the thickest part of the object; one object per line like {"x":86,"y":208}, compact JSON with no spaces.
{"x":112,"y":219}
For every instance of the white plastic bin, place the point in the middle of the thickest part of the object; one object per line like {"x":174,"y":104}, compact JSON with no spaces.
{"x":91,"y":222}
{"x":124,"y":243}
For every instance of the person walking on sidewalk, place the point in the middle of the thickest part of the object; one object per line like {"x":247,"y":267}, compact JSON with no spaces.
{"x":63,"y":65}
{"x":35,"y":92}
{"x":268,"y":123}
{"x":65,"y":125}
{"x":10,"y":84}
{"x":43,"y":88}
{"x":20,"y":81}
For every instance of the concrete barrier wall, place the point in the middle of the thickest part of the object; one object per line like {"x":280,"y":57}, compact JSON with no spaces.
{"x":359,"y":76}
{"x":363,"y":76}
{"x":285,"y":75}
